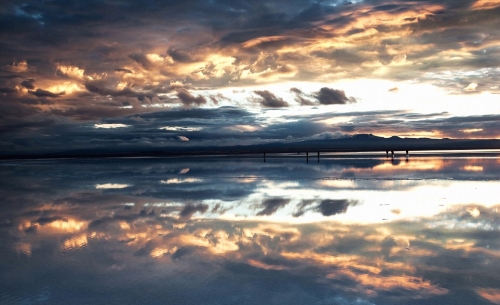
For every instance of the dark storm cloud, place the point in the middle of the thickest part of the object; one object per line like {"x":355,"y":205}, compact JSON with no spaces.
{"x":142,"y":60}
{"x":188,"y":99}
{"x":300,"y":97}
{"x":184,"y":251}
{"x":45,"y":93}
{"x":325,"y":96}
{"x":189,"y":210}
{"x":217,"y":98}
{"x":179,"y":55}
{"x":271,"y":205}
{"x":123,"y":70}
{"x":270,"y":100}
{"x":327,"y":207}
{"x":28,"y":83}
{"x":303,"y":206}
{"x":329,"y":96}
{"x":334,"y":207}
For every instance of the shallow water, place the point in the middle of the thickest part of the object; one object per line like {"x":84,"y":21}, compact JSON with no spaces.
{"x":366,"y":230}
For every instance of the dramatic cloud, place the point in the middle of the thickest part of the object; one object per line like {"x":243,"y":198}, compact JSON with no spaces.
{"x":123,"y":70}
{"x":301,"y":98}
{"x":328,"y":96}
{"x":189,"y":210}
{"x":270,"y":100}
{"x":244,"y":43}
{"x":188,"y":99}
{"x":28,"y":83}
{"x":45,"y":93}
{"x":67,"y":63}
{"x":271,"y":205}
{"x":142,"y":60}
{"x":179,"y":56}
{"x":334,"y":207}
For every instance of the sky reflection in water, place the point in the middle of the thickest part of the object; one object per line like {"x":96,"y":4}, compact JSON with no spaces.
{"x":227,"y":231}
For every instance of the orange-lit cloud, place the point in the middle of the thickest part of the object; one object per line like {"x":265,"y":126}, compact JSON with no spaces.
{"x":490,"y":294}
{"x":485,"y":4}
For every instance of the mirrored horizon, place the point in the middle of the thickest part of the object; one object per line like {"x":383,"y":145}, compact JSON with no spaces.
{"x":224,"y":230}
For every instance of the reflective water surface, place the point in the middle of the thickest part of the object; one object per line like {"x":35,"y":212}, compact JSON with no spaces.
{"x":240,"y":231}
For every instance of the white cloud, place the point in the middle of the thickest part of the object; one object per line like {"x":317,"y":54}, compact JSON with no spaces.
{"x":180,"y":181}
{"x":178,"y":128}
{"x":108,"y":126}
{"x":111,"y":186}
{"x":471,"y":87}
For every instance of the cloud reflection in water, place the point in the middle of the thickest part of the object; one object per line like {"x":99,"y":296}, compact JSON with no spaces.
{"x":273,"y":239}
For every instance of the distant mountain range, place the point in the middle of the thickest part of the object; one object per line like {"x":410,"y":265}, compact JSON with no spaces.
{"x":356,"y":143}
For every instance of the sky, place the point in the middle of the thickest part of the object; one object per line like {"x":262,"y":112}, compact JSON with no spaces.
{"x":157,"y":74}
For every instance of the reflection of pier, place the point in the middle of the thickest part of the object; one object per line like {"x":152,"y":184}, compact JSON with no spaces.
{"x":407,"y":155}
{"x":392,"y":154}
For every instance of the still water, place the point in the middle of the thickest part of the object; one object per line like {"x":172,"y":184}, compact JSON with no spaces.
{"x":240,"y":231}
